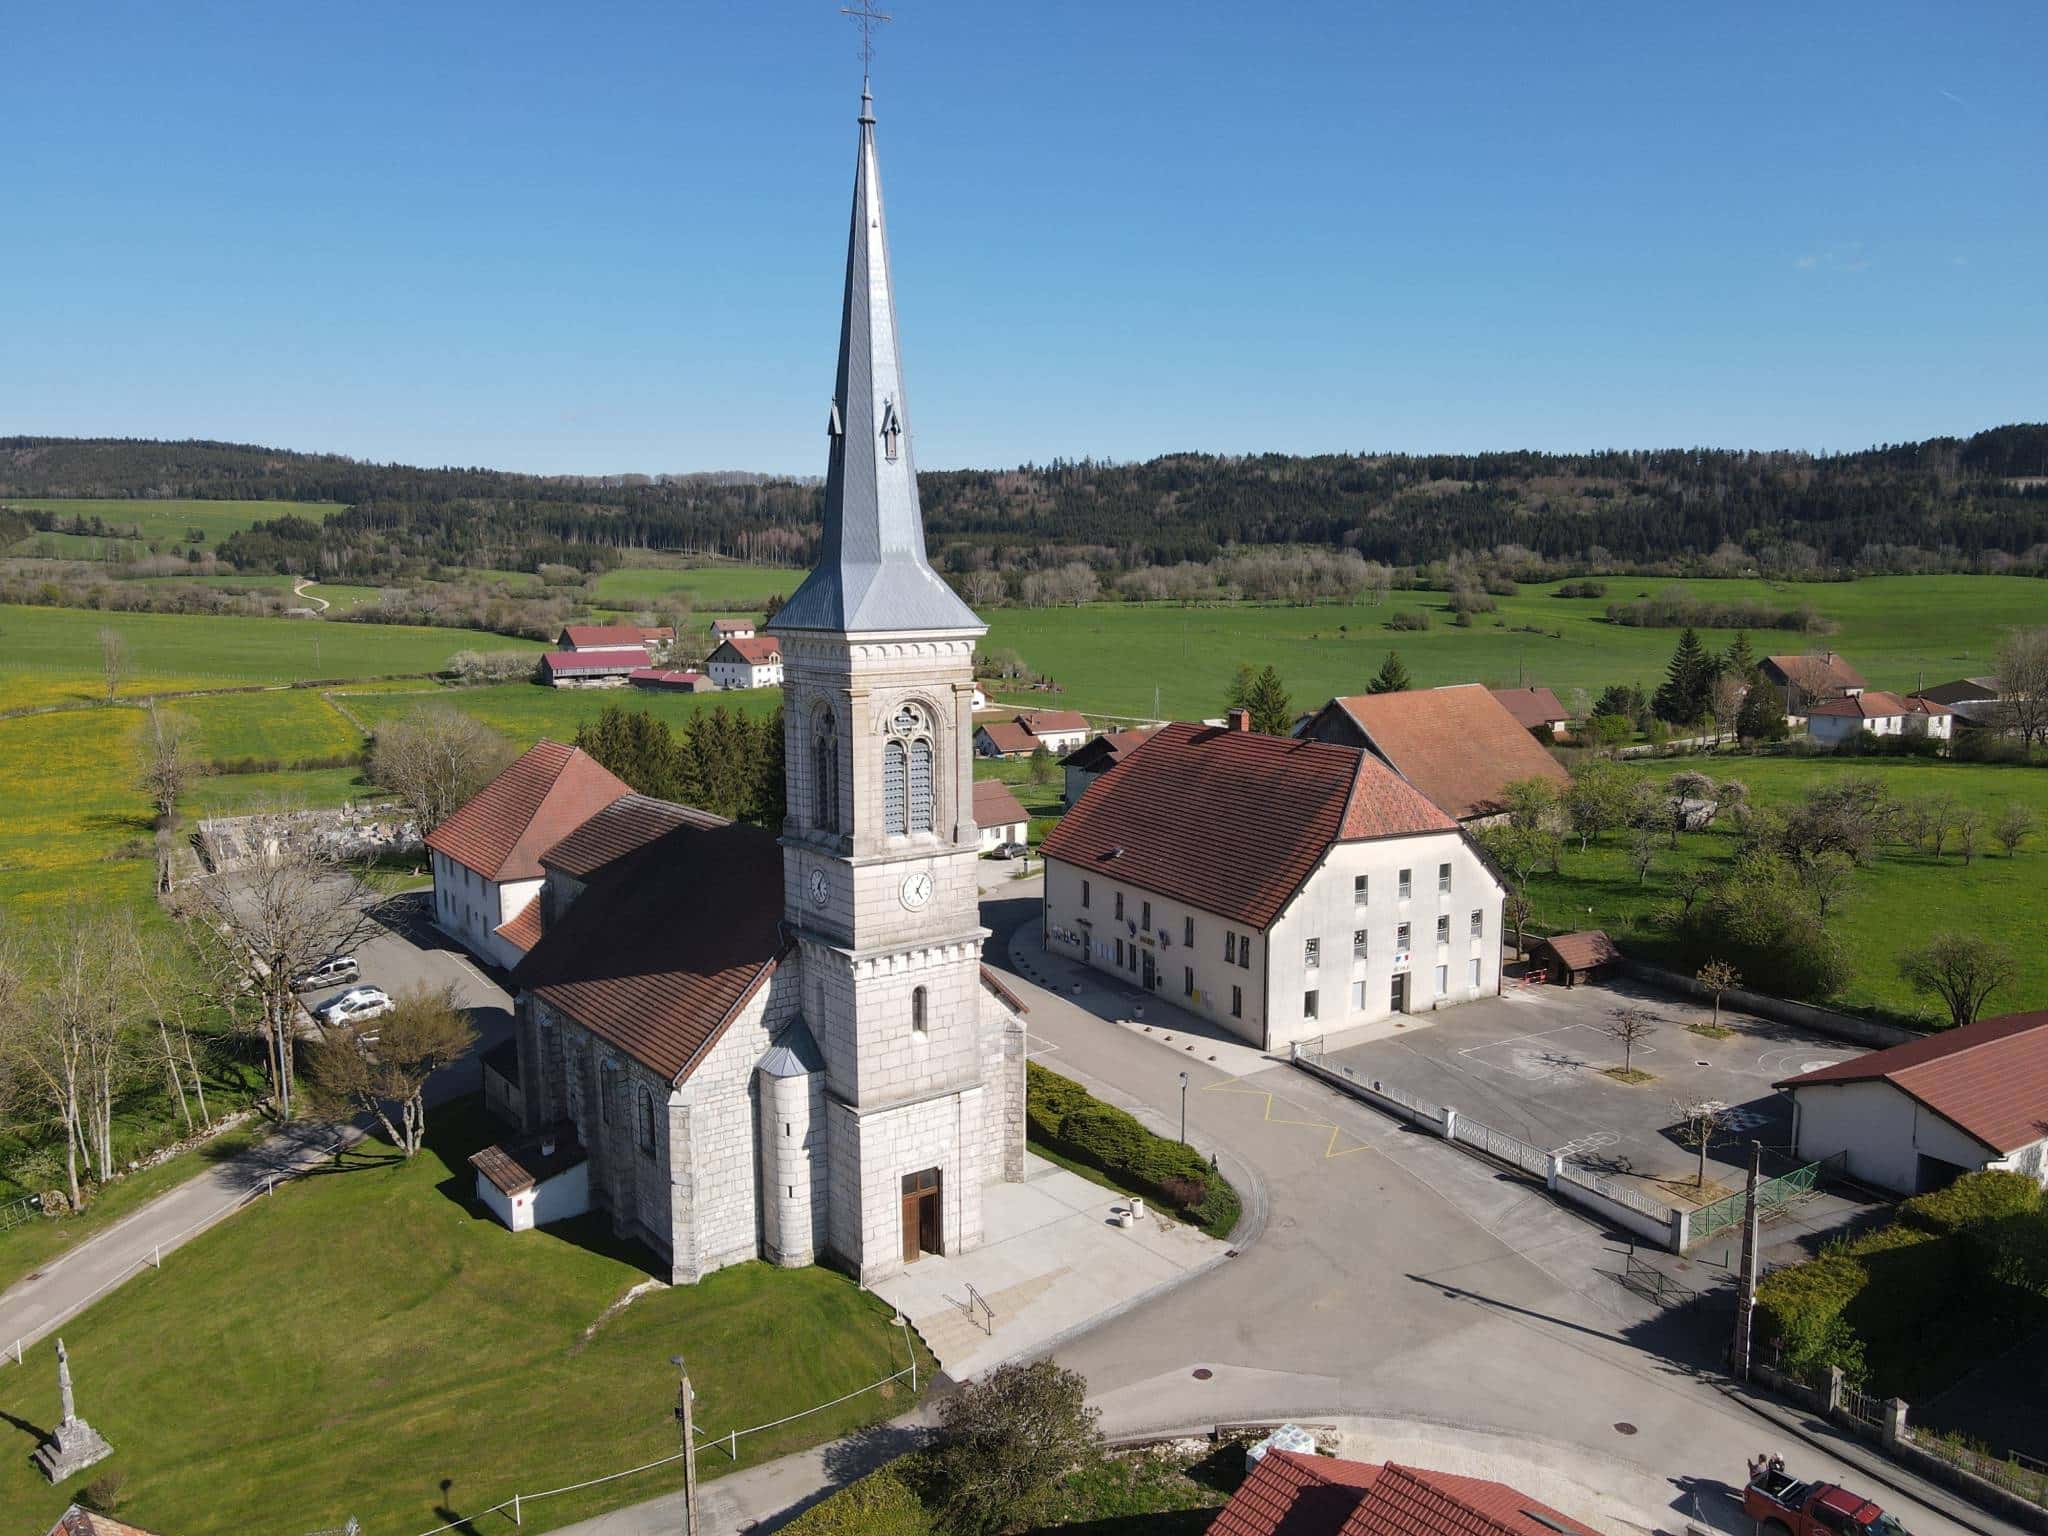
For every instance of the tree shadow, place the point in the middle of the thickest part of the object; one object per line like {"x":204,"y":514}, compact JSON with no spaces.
{"x":449,"y":1515}
{"x":856,"y":1455}
{"x":117,"y":821}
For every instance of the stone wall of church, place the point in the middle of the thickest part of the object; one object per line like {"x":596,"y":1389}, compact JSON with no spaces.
{"x":871,"y":1153}
{"x":1002,"y":1068}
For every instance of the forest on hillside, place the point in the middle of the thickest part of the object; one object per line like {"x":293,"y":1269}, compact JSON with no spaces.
{"x":1946,"y":503}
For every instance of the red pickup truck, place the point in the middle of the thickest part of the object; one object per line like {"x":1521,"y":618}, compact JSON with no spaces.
{"x":1781,"y":1505}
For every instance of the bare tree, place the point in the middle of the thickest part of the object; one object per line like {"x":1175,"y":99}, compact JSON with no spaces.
{"x":174,"y":994}
{"x":2014,"y":826}
{"x":1630,"y":1025}
{"x":1642,"y":852}
{"x":113,"y":661}
{"x":434,"y":759}
{"x":1514,"y":908}
{"x":1968,"y":823}
{"x":1696,"y":1126}
{"x":280,"y":915}
{"x":1825,"y":878}
{"x":1940,"y":812}
{"x":1961,"y":969}
{"x":384,"y":1068}
{"x":1718,"y":976}
{"x":2023,"y":684}
{"x":165,"y":759}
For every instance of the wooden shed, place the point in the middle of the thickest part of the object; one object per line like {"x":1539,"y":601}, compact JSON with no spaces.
{"x":1571,"y":958}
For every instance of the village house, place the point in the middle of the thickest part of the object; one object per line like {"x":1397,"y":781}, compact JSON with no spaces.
{"x":996,"y":811}
{"x":723,"y":630}
{"x":1536,"y":710}
{"x":1283,"y":888}
{"x":1057,"y":730}
{"x":786,"y":1047}
{"x":1964,"y":690}
{"x":1874,"y":712}
{"x":1458,"y":745}
{"x":486,"y":857}
{"x":1915,"y":1116}
{"x":747,"y":661}
{"x":1291,"y":1493}
{"x":597,"y":668}
{"x":1813,"y":678}
{"x":1095,"y":757}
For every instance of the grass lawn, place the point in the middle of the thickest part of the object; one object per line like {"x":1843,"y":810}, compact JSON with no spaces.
{"x":166,"y":522}
{"x":526,"y":712}
{"x":235,"y":794}
{"x":1112,"y":656}
{"x":287,"y":724}
{"x":32,"y":1243}
{"x":76,"y":828}
{"x":52,"y":655}
{"x":1902,"y":899}
{"x":369,"y":1344}
{"x":713,"y":587}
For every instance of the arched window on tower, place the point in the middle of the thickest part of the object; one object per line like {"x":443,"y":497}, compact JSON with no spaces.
{"x":895,"y":797}
{"x":921,"y":785}
{"x":825,"y":774}
{"x":917,"y":1021}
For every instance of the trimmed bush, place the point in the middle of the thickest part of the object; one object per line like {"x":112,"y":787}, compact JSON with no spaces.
{"x":881,"y":1504}
{"x":1973,"y":1200}
{"x":1063,"y":1116}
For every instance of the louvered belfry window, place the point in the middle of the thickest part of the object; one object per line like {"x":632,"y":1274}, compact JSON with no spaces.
{"x":826,"y":778}
{"x":920,"y":785}
{"x":894,"y":796}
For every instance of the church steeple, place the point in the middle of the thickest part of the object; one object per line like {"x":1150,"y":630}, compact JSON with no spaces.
{"x":872,"y":574}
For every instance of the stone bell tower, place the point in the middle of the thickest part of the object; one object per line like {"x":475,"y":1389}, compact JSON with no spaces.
{"x":879,"y":840}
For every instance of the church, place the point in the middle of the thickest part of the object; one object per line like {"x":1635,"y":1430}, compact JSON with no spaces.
{"x":741,"y":1045}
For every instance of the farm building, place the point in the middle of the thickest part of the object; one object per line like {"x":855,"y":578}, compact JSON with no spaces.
{"x":996,"y":811}
{"x":1536,"y":710}
{"x":1803,"y":681}
{"x":671,"y":680}
{"x":602,"y":668}
{"x":750,"y":661}
{"x":1057,"y":730}
{"x":1091,"y":760}
{"x":1570,"y":958}
{"x":486,"y":857}
{"x":1915,"y":1116}
{"x":603,"y":637}
{"x":1458,"y":745}
{"x":1876,"y":713}
{"x":1281,"y":887}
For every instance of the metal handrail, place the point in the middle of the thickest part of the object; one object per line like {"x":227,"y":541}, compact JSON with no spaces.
{"x":976,"y":1299}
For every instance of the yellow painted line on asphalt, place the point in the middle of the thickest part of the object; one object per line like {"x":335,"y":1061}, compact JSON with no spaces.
{"x":1330,"y":1148}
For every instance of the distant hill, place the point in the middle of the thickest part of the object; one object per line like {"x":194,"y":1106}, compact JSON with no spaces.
{"x":1943,"y":503}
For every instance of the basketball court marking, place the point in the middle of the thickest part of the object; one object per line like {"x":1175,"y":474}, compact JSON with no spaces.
{"x":1529,"y":1060}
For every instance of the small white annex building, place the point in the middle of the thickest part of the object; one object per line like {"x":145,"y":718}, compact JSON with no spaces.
{"x":747,"y":661}
{"x":1915,"y":1116}
{"x":536,"y":1180}
{"x":999,"y":815}
{"x":1285,"y":888}
{"x":486,"y":857}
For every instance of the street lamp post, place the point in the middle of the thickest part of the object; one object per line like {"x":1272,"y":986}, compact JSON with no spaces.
{"x":1183,"y":1109}
{"x":685,"y":1397}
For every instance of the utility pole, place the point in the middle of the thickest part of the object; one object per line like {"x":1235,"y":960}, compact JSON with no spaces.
{"x":1739,"y":1352}
{"x":684,"y":1398}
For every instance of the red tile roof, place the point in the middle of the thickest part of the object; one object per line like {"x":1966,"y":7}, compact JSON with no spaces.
{"x":1989,"y":1079}
{"x":625,"y":826}
{"x":1824,"y":672}
{"x":569,"y":663}
{"x":995,"y":806}
{"x":523,"y":931}
{"x":1232,"y":822}
{"x":1289,"y":1494}
{"x":501,"y":831}
{"x":603,"y":637}
{"x":1010,"y":738}
{"x":516,"y":1166}
{"x":1582,"y":951}
{"x":1874,"y":705}
{"x":724,"y":627}
{"x":1101,"y":753}
{"x":667,"y":944}
{"x":1041,"y":721}
{"x":666,"y":677}
{"x":77,"y":1521}
{"x":1458,"y":745}
{"x":758,"y":650}
{"x":1534,"y":709}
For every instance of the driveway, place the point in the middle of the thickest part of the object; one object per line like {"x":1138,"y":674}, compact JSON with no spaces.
{"x":1400,"y":1278}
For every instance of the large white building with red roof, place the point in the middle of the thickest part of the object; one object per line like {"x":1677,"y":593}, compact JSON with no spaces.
{"x":486,"y":857}
{"x":1283,"y":888}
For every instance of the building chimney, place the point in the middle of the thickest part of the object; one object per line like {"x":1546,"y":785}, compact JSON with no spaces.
{"x":1240,"y":719}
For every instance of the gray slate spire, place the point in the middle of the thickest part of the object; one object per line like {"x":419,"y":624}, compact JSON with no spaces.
{"x":872,"y":574}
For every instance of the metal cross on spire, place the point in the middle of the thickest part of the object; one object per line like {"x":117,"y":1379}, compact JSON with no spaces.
{"x":867,"y":18}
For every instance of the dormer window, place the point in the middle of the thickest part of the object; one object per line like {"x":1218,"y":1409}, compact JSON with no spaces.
{"x":892,"y":430}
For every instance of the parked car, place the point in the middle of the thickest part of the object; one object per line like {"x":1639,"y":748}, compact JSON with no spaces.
{"x":1781,"y":1505}
{"x":1012,"y":851}
{"x":356,"y":1005}
{"x":329,"y":973}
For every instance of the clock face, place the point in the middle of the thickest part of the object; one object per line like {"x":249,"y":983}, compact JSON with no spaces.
{"x":917,"y":890}
{"x":821,"y":887}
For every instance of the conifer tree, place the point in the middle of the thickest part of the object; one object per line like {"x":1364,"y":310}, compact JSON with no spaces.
{"x":1688,"y":682}
{"x":1762,"y":716}
{"x":1392,"y":677}
{"x":1741,"y":658}
{"x":1271,"y":709}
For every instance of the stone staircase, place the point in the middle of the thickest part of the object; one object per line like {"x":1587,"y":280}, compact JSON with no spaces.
{"x":958,"y":1338}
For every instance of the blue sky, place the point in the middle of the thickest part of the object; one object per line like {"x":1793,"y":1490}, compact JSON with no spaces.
{"x":609,"y":237}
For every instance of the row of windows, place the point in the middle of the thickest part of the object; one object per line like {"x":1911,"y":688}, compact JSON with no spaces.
{"x":1237,"y":948}
{"x":1404,"y":885}
{"x":1312,"y":949}
{"x":1312,"y":1000}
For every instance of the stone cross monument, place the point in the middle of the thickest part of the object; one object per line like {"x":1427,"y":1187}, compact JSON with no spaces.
{"x":74,"y":1444}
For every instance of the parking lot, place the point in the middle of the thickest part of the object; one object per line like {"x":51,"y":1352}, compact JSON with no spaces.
{"x":1535,"y":1064}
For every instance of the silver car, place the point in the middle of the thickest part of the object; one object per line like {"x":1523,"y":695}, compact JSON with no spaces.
{"x":355,"y":1005}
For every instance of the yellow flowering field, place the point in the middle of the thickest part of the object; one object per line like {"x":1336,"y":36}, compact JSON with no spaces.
{"x":67,"y":781}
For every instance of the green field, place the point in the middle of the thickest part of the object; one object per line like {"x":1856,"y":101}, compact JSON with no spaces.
{"x":714,"y":588}
{"x":238,"y":794}
{"x":1901,"y":900}
{"x":165,"y":522}
{"x":1111,"y":657}
{"x":525,"y":712}
{"x":288,"y":724}
{"x":374,"y":1345}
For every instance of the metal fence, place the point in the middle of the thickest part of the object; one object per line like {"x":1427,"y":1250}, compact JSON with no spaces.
{"x":15,"y":1212}
{"x":1772,"y":1196}
{"x":1509,"y":1149}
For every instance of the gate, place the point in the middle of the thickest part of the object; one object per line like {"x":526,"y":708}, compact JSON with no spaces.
{"x":1772,"y":1196}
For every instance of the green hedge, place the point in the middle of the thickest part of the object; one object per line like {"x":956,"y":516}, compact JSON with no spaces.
{"x":1062,"y":1115}
{"x":1982,"y":1197}
{"x":881,"y":1504}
